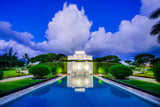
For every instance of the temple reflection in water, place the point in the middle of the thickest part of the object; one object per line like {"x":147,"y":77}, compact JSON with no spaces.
{"x":80,"y":82}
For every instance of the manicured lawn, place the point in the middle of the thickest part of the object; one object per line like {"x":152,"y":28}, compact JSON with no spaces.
{"x":16,"y":84}
{"x":155,"y":87}
{"x":149,"y":73}
{"x":11,"y":73}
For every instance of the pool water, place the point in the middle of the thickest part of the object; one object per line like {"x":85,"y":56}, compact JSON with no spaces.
{"x":79,"y":91}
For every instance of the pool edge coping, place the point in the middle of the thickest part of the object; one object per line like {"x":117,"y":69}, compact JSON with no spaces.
{"x":9,"y":98}
{"x":138,"y":93}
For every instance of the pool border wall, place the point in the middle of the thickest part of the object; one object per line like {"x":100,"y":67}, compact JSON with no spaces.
{"x":26,"y":90}
{"x":146,"y":96}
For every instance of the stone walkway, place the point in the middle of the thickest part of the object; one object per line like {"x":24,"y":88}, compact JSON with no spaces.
{"x":143,"y":79}
{"x":15,"y":78}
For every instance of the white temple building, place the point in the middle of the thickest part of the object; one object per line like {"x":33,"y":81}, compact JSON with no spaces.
{"x":79,"y":55}
{"x":84,"y":67}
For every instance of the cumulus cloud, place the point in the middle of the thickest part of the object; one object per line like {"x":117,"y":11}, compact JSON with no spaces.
{"x":21,"y":49}
{"x":69,"y":30}
{"x":7,"y":32}
{"x":149,"y":6}
{"x":132,"y":38}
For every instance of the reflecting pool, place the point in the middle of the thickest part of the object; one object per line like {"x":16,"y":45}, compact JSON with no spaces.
{"x":80,"y":91}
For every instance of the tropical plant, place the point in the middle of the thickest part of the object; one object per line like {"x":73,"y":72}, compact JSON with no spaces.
{"x":156,"y":28}
{"x":120,"y":71}
{"x":156,"y":71}
{"x":39,"y":70}
{"x":25,"y":57}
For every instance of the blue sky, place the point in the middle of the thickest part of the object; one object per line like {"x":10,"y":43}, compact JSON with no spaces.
{"x":111,"y":18}
{"x":33,"y":16}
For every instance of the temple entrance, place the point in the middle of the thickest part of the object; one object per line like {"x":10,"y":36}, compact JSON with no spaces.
{"x":83,"y":67}
{"x":80,"y":67}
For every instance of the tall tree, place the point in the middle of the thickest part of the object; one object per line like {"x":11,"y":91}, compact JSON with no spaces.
{"x":141,"y":59}
{"x":112,"y":58}
{"x":156,"y":28}
{"x":25,"y":57}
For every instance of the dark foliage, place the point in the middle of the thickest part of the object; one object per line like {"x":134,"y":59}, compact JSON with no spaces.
{"x":39,"y":70}
{"x":120,"y":71}
{"x":1,"y":74}
{"x":156,"y":71}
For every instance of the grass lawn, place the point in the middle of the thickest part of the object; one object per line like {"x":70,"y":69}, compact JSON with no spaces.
{"x":155,"y":87}
{"x":16,"y":84}
{"x":149,"y":73}
{"x":11,"y":73}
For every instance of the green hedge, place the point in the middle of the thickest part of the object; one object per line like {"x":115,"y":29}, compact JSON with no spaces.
{"x":63,"y":65}
{"x":96,"y":65}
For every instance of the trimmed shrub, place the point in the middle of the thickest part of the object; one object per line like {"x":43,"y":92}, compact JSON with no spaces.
{"x":156,"y":71}
{"x":56,"y":69}
{"x":1,"y":74}
{"x":103,"y":70}
{"x":63,"y":65}
{"x":120,"y":71}
{"x":96,"y":65}
{"x":39,"y":70}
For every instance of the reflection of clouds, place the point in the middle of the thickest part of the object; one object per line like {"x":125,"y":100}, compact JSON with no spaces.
{"x":80,"y":82}
{"x":80,"y":67}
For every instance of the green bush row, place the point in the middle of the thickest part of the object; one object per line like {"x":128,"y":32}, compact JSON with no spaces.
{"x":103,"y":70}
{"x":96,"y":65}
{"x":63,"y":65}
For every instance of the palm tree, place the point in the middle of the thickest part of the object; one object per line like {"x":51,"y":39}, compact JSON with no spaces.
{"x":156,"y":28}
{"x":25,"y":57}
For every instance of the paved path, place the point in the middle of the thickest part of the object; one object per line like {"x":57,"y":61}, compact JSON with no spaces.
{"x":143,"y":79}
{"x":15,"y":78}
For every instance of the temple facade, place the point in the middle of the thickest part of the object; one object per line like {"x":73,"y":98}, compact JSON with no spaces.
{"x":79,"y":55}
{"x":83,"y":67}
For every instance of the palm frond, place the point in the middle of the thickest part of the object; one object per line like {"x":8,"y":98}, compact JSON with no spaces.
{"x":155,"y":14}
{"x":158,"y":38}
{"x":155,"y":29}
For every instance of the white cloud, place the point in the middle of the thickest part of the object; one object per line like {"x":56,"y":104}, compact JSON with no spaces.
{"x":7,"y":32}
{"x":133,"y":36}
{"x":21,"y":49}
{"x":68,"y":30}
{"x":149,"y":6}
